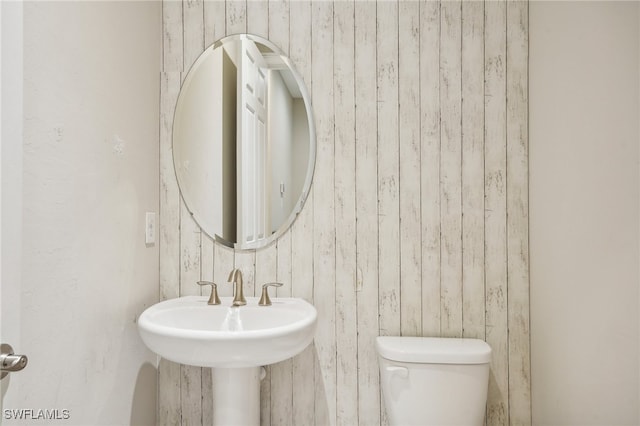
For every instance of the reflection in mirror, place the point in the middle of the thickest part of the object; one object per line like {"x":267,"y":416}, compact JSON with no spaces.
{"x":243,"y":142}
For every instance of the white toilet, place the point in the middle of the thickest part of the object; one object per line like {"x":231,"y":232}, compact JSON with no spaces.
{"x":434,"y":381}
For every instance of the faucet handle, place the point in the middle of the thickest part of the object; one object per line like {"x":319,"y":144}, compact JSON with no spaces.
{"x":213,"y":299}
{"x":264,"y":298}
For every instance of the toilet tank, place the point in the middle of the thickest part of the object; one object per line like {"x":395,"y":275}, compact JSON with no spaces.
{"x":434,"y":381}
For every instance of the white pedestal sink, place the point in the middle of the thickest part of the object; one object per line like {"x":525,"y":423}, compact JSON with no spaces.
{"x":234,"y":341}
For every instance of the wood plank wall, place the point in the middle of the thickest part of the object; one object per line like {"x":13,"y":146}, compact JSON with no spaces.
{"x":416,"y":223}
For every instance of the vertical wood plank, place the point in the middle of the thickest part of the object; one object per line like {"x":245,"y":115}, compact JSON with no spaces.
{"x":451,"y":169}
{"x":473,"y":169}
{"x":388,"y":168}
{"x":388,"y":171}
{"x":517,"y":214}
{"x":366,"y":211}
{"x":169,"y":237}
{"x":323,"y":205}
{"x":258,"y":18}
{"x":409,"y":139}
{"x":345,"y":210}
{"x":279,"y":24}
{"x":495,"y":211}
{"x":172,"y":36}
{"x":302,"y":279}
{"x":284,"y":265}
{"x":236,"y":13}
{"x":430,"y":164}
{"x":193,"y":38}
{"x":215,"y":21}
{"x":169,"y":410}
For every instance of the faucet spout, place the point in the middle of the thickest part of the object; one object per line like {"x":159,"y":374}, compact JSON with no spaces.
{"x":235,"y":277}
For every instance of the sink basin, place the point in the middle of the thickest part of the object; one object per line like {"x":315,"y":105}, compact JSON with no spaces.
{"x":188,"y":331}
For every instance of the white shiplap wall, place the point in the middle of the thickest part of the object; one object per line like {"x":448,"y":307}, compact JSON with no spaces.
{"x":416,"y":223}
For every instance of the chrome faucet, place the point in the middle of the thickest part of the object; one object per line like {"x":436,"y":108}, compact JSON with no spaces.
{"x":238,"y":297}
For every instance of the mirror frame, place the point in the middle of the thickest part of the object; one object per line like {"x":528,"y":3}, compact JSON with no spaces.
{"x":299,"y":204}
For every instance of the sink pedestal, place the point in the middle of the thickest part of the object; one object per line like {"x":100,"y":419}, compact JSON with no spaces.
{"x":236,"y":396}
{"x":233,"y":341}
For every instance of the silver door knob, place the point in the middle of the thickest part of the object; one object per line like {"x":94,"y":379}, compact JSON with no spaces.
{"x":10,"y":362}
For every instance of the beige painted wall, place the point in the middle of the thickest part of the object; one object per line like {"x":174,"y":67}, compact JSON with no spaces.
{"x":91,"y":93}
{"x":584,"y":186}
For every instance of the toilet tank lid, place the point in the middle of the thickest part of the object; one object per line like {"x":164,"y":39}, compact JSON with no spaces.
{"x":435,"y":350}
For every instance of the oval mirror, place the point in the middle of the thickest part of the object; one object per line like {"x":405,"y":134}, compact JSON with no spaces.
{"x":244,"y":142}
